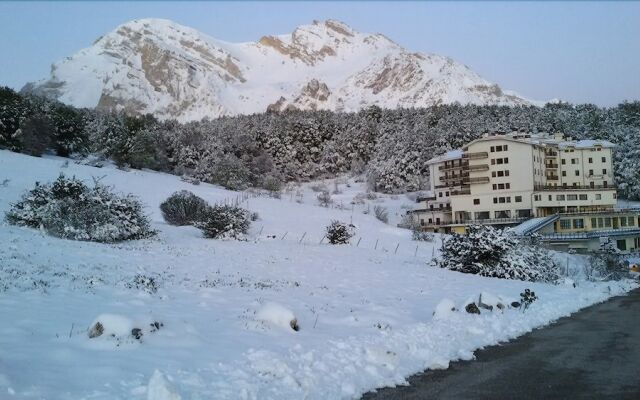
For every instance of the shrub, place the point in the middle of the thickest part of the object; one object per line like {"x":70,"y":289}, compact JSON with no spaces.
{"x":324,"y":199}
{"x":423,"y":236}
{"x":607,"y":263}
{"x":491,"y":252}
{"x":381,"y":213}
{"x":224,"y":222}
{"x":69,"y":209}
{"x":183,"y":208}
{"x":339,"y":232}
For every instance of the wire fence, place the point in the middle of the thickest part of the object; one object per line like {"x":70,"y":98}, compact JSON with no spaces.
{"x":383,"y":243}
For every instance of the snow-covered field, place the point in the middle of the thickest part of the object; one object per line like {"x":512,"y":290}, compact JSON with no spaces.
{"x":365,"y":312}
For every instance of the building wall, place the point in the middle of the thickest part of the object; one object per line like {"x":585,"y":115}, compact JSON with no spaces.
{"x":510,"y":176}
{"x":575,"y":166}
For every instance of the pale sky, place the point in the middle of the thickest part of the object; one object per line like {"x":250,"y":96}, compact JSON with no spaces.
{"x":581,"y":52}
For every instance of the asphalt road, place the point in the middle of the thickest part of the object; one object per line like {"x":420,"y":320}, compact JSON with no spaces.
{"x":594,"y":354}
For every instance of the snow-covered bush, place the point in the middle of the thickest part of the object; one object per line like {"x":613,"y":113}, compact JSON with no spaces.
{"x":224,"y":222}
{"x":423,"y":236}
{"x":491,"y":252}
{"x":339,"y":232}
{"x":607,"y":263}
{"x":183,"y":208}
{"x":324,"y":199}
{"x":67,"y":208}
{"x":381,"y":213}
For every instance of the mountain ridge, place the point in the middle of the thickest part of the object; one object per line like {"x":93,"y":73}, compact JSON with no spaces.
{"x":159,"y":67}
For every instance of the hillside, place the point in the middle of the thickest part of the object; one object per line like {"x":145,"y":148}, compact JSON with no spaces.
{"x":172,"y":71}
{"x":365,"y":310}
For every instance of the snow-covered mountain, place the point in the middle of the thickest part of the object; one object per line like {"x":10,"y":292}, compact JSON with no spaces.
{"x":160,"y":67}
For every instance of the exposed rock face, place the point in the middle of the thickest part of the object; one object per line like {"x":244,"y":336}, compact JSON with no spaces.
{"x":159,"y":67}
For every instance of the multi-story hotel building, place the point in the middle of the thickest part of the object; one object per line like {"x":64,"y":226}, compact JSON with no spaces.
{"x":506,"y":179}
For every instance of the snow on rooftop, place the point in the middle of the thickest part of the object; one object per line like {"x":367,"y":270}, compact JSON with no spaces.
{"x":449,"y":155}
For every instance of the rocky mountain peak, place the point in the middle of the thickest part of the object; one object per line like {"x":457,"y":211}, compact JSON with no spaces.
{"x":173,"y":71}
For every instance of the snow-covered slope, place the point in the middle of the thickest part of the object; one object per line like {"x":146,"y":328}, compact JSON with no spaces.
{"x":160,"y":67}
{"x":364,"y":311}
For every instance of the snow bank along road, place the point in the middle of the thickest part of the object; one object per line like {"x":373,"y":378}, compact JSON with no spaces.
{"x":366,"y":313}
{"x":594,"y":354}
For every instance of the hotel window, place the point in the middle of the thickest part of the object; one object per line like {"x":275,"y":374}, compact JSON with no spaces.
{"x":623,"y":221}
{"x":495,"y":187}
{"x":505,"y":147}
{"x":607,"y":222}
{"x":499,"y":161}
{"x":590,"y":160}
{"x":583,"y":197}
{"x":571,"y":197}
{"x":507,"y":185}
{"x":630,"y":219}
{"x":600,"y":223}
{"x":495,"y":200}
{"x":578,"y":223}
{"x":508,"y":199}
{"x":493,"y":174}
{"x":493,"y":161}
{"x":518,"y":199}
{"x":564,"y":173}
{"x":502,"y":200}
{"x":577,"y":172}
{"x":565,"y":224}
{"x":550,"y":197}
{"x":564,"y":161}
{"x":493,"y":149}
{"x":498,"y":148}
{"x":574,"y":161}
{"x":594,"y":223}
{"x":440,"y":194}
{"x":590,"y":172}
{"x":506,"y":160}
{"x":560,"y":197}
{"x":604,"y":159}
{"x":476,"y":201}
{"x":447,"y":194}
{"x":506,"y":172}
{"x":501,"y":186}
{"x":604,"y":172}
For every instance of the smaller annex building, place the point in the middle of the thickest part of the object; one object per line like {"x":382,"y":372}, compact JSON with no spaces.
{"x":584,"y":232}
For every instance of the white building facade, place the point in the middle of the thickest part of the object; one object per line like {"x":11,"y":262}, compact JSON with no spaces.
{"x":506,"y":179}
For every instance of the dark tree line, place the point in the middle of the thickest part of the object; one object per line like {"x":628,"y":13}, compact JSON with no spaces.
{"x":265,"y":150}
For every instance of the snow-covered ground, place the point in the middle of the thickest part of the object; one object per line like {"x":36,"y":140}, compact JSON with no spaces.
{"x":213,"y":314}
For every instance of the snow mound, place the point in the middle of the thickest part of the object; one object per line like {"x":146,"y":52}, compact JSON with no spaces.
{"x":444,"y":309}
{"x":278,"y":315}
{"x":160,"y":389}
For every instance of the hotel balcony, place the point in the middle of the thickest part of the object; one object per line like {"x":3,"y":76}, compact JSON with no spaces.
{"x":479,"y":179}
{"x":551,"y":154}
{"x":552,"y":177}
{"x":478,"y":167}
{"x":476,"y":156}
{"x":460,"y":192}
{"x":580,"y":187}
{"x":551,"y":166}
{"x":452,"y":167}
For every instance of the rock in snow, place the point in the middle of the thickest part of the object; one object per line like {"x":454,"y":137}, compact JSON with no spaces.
{"x":160,"y":389}
{"x":278,"y":315}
